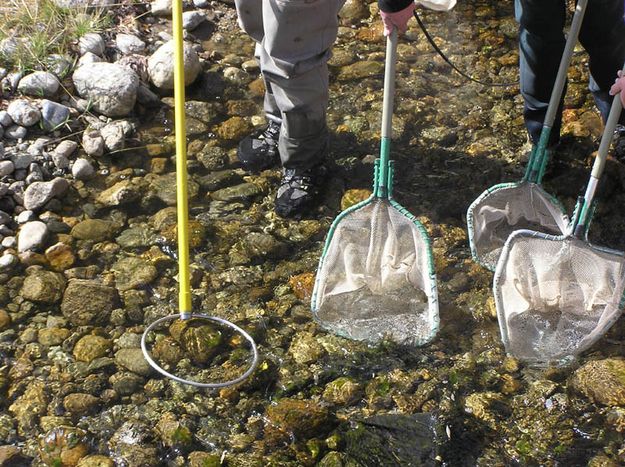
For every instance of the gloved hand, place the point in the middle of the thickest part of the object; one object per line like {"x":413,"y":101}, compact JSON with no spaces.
{"x":398,"y":20}
{"x":619,"y":86}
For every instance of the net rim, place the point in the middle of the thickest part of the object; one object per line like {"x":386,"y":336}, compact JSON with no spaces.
{"x":496,"y":189}
{"x":563,"y":357}
{"x":433,"y":304}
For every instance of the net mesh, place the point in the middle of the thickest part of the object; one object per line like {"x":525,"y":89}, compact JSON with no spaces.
{"x":376,"y":280}
{"x":556,"y":297}
{"x":502,"y":210}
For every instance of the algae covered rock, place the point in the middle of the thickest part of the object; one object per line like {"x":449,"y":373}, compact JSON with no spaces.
{"x":200,"y":340}
{"x":132,"y":272}
{"x":90,"y":347}
{"x":602,"y":381}
{"x":303,"y":418}
{"x":305,"y":348}
{"x":96,"y":230}
{"x":394,"y":440}
{"x":63,"y":445}
{"x":343,"y":391}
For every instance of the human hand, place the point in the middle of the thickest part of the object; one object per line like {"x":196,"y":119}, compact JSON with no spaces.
{"x":619,"y":86}
{"x":398,"y":19}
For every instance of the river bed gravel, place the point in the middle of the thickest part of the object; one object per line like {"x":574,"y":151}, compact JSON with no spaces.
{"x":76,"y":390}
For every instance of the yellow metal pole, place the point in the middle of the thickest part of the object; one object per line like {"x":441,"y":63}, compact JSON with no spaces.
{"x":184,"y":297}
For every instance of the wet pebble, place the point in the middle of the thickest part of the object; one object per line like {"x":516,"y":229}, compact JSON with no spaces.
{"x":90,"y":347}
{"x":134,"y":361}
{"x":601,"y":381}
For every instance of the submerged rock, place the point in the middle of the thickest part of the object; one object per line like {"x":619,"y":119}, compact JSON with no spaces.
{"x":132,"y":272}
{"x":97,"y":230}
{"x":395,"y":439}
{"x":304,"y":419}
{"x":43,"y":286}
{"x":88,"y":302}
{"x":602,"y":381}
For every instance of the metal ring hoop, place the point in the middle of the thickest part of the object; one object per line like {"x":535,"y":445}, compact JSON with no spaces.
{"x":222,"y":321}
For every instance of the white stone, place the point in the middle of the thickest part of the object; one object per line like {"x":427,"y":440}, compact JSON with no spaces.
{"x":129,"y":44}
{"x":39,"y":193}
{"x":161,"y":7}
{"x":9,"y":242}
{"x":111,"y":88}
{"x":192,"y":19}
{"x":7,"y":261}
{"x":32,"y":236}
{"x":161,"y":65}
{"x":82,"y":169}
{"x":66,"y":148}
{"x":6,"y":168}
{"x":92,"y":142}
{"x":23,"y":112}
{"x":39,"y":84}
{"x":89,"y":57}
{"x":25,"y":216}
{"x":91,"y":42}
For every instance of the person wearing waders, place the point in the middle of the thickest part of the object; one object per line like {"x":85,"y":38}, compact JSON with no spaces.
{"x":541,"y":44}
{"x":293,"y":42}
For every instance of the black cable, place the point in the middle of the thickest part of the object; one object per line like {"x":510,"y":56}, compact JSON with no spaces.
{"x":444,"y":57}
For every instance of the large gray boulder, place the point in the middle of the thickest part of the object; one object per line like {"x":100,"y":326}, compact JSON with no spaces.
{"x":110,"y":87}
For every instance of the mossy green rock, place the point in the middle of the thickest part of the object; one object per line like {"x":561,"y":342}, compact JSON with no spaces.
{"x":360,"y":70}
{"x":164,"y":187}
{"x":96,"y":460}
{"x":303,"y":418}
{"x":305,"y":348}
{"x":602,"y":381}
{"x":136,"y":237}
{"x":199,"y":340}
{"x":343,"y":391}
{"x":394,"y":440}
{"x":204,"y":459}
{"x":241,"y":192}
{"x":133,"y":360}
{"x":80,"y":403}
{"x":173,"y":432}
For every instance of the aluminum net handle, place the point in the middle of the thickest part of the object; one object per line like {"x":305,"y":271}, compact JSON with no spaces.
{"x":157,"y":367}
{"x":581,"y":226}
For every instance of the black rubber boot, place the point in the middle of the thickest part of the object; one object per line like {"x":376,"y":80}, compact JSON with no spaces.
{"x":259,"y":151}
{"x":299,"y":190}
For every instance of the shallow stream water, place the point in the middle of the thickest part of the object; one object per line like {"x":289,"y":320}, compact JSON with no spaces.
{"x":314,"y":398}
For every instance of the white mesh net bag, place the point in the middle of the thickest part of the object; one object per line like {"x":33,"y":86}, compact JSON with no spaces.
{"x":556,"y":296}
{"x":376,"y":278}
{"x":505,"y":208}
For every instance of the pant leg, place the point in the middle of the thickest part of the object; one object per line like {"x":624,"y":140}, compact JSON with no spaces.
{"x":603,"y":36}
{"x":541,"y":43}
{"x":294,"y":53}
{"x":250,"y":16}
